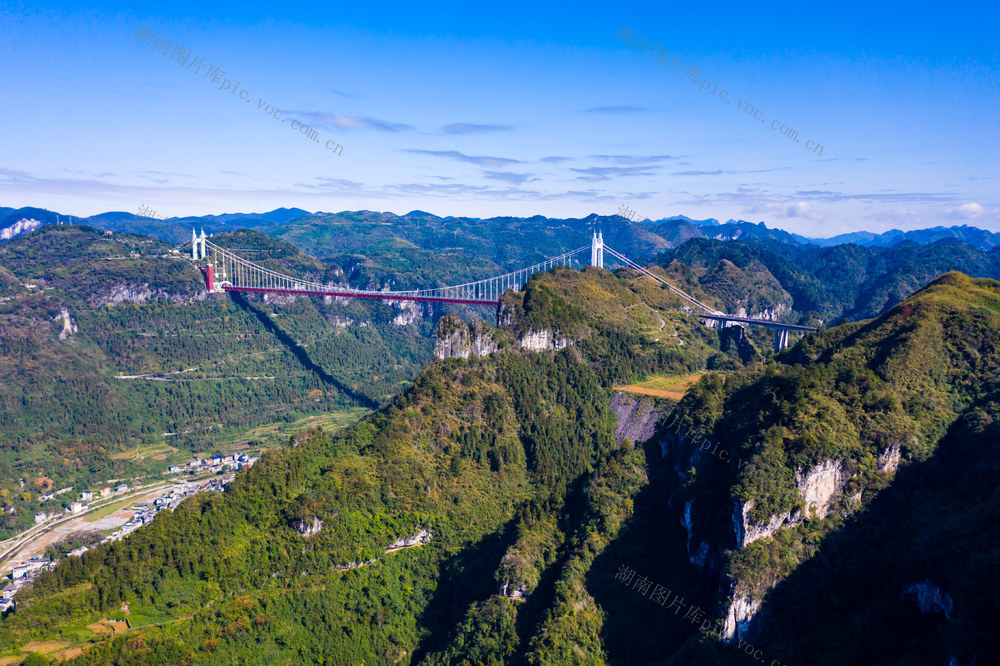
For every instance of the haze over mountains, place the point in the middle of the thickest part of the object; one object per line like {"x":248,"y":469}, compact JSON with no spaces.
{"x":669,"y":231}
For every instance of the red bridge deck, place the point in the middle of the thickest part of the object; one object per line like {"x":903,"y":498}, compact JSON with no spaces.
{"x":374,"y":296}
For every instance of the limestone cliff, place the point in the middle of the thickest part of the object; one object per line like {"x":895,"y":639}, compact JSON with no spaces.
{"x":456,"y":339}
{"x":68,"y":325}
{"x":819,"y":489}
{"x":544,"y":340}
{"x":139,"y":293}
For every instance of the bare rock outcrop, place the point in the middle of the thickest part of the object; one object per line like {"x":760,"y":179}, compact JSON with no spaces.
{"x":930,"y":598}
{"x":308,"y":529}
{"x":819,"y":490}
{"x":820,"y":487}
{"x":140,"y":293}
{"x":637,"y":417}
{"x":418,"y":539}
{"x":458,"y":340}
{"x":740,"y":615}
{"x":410,"y":311}
{"x":544,"y":340}
{"x":888,"y":461}
{"x":68,"y":325}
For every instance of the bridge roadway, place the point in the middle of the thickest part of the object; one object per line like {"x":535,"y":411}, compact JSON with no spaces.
{"x":780,"y":328}
{"x":768,"y":323}
{"x":386,"y":296}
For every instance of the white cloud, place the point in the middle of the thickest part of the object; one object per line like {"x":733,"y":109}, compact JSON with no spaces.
{"x":969,"y":210}
{"x":800,"y":209}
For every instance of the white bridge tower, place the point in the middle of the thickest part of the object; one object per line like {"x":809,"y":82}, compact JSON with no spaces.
{"x":597,"y":250}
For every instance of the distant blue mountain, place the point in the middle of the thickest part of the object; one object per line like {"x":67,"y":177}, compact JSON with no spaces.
{"x":984,"y":240}
{"x":662,"y":233}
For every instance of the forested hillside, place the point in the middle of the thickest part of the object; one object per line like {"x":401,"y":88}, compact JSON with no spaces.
{"x":829,"y":283}
{"x":110,"y":342}
{"x":506,"y":465}
{"x":856,"y":520}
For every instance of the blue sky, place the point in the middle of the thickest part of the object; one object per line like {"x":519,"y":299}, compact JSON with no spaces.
{"x":512,"y":109}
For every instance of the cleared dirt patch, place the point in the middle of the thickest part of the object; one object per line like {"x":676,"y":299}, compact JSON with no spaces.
{"x":44,"y":647}
{"x":99,"y":629}
{"x":657,"y":393}
{"x":663,"y":386}
{"x":117,"y":626}
{"x":71,"y":653}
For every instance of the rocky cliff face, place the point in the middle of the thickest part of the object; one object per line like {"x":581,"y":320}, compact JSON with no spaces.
{"x":458,"y":340}
{"x":544,"y":340}
{"x":68,"y":325}
{"x":748,"y":532}
{"x":772,"y":313}
{"x":888,"y":462}
{"x":512,"y":591}
{"x":740,"y":615}
{"x":819,"y":489}
{"x":308,"y":529}
{"x":140,"y":293}
{"x":410,"y":311}
{"x":930,"y":598}
{"x":418,"y":539}
{"x":683,"y":451}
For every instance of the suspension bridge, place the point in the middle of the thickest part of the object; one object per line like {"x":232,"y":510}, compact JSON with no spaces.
{"x":229,"y":272}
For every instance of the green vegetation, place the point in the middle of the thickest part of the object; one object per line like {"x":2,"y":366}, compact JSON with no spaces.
{"x":858,"y":396}
{"x":107,"y":509}
{"x":509,"y":461}
{"x":509,"y":464}
{"x":825,"y":282}
{"x":147,"y":360}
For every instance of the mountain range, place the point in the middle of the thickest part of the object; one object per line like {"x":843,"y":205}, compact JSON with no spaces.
{"x":662,"y":233}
